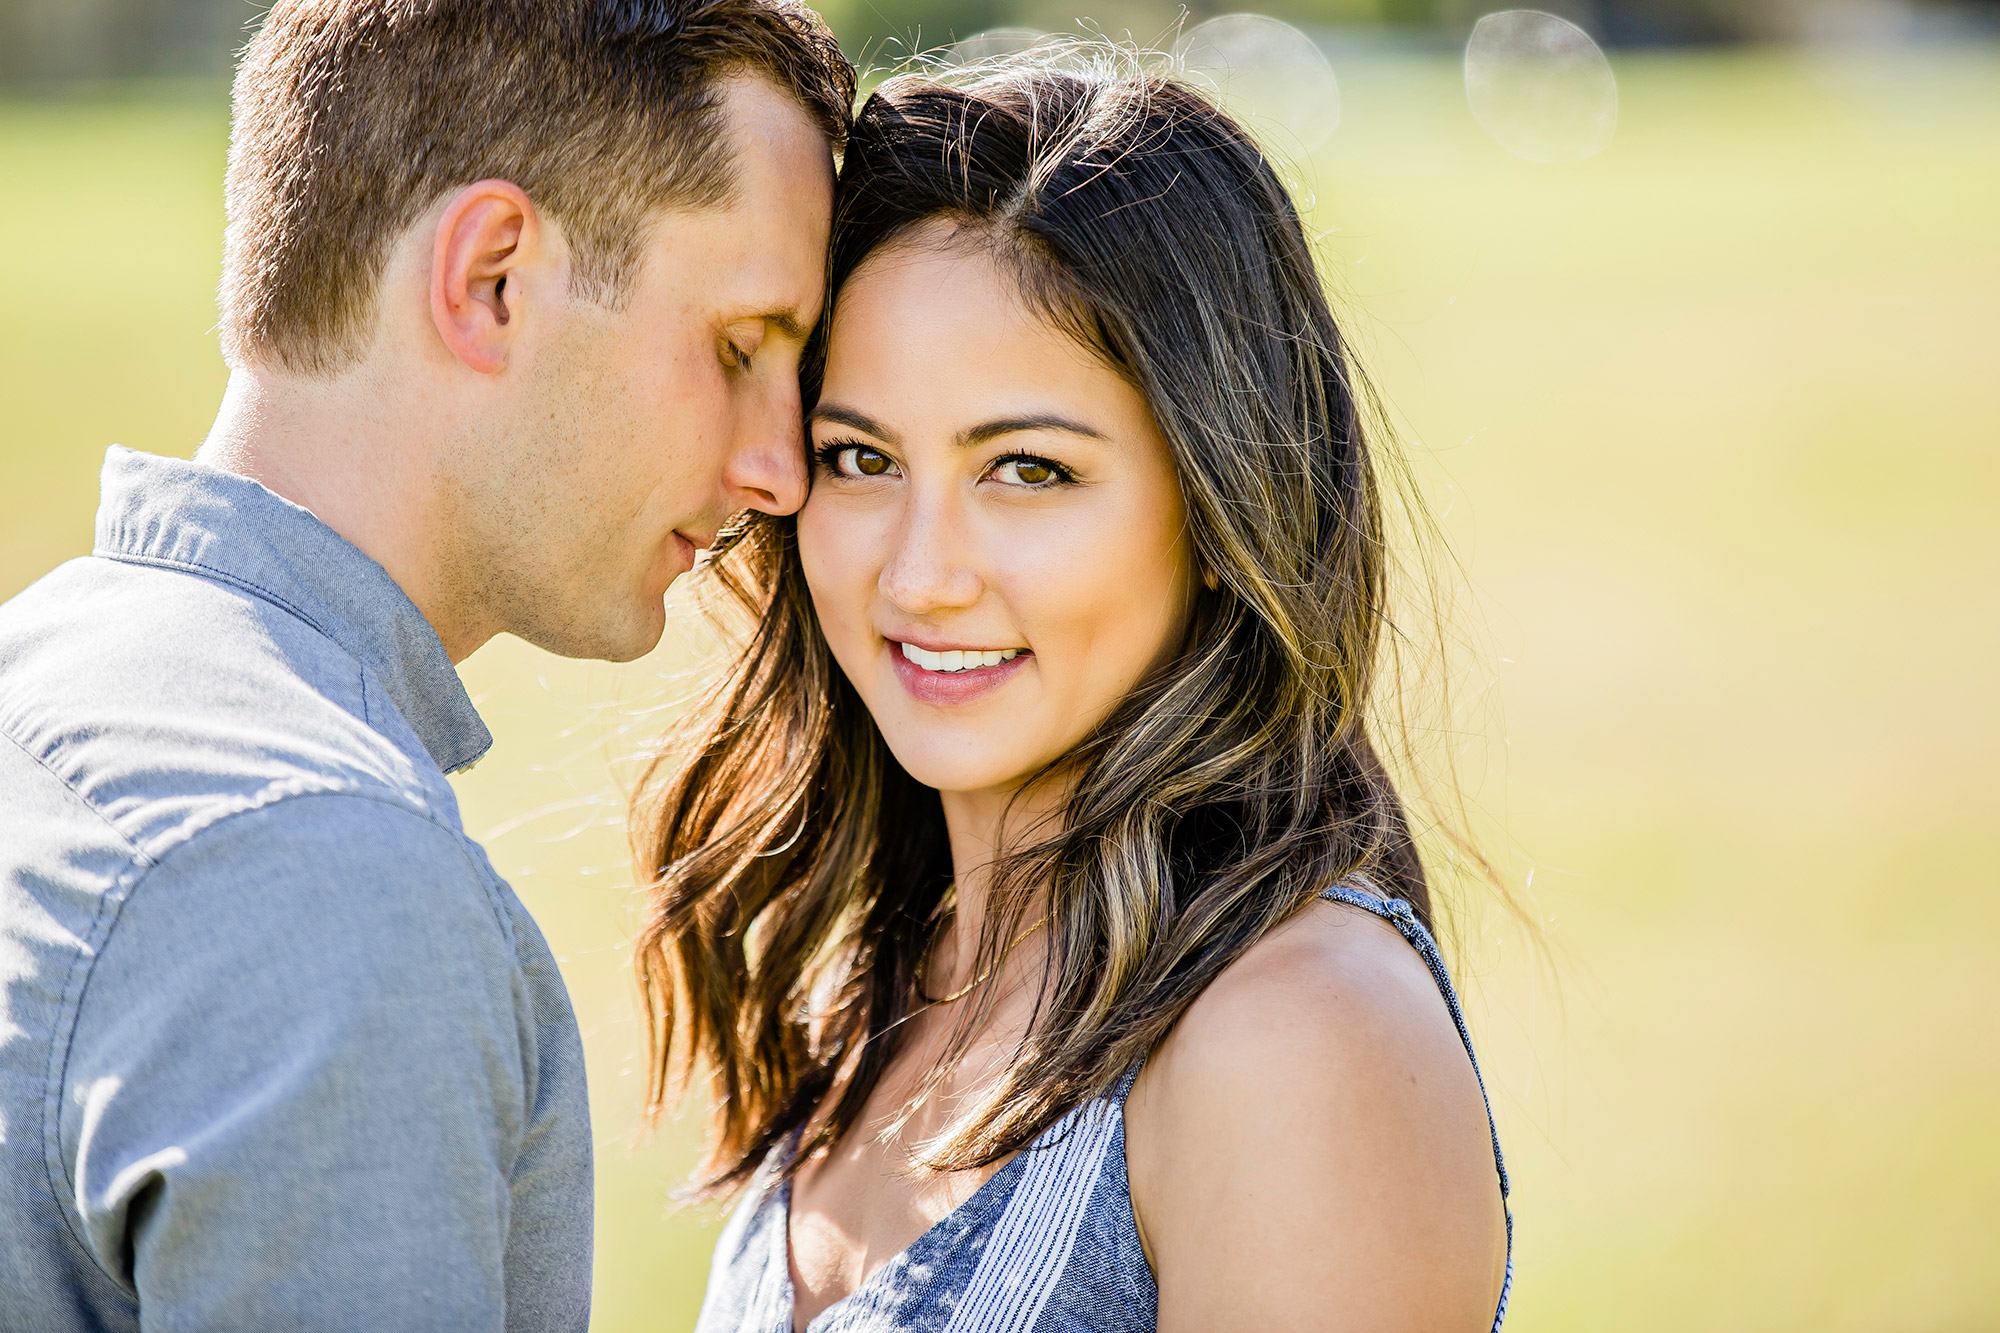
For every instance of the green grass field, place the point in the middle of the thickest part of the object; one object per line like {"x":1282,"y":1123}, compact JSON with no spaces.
{"x":1713,"y":423}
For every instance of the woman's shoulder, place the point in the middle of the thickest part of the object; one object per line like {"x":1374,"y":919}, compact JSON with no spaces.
{"x":1315,"y":1113}
{"x":1334,"y":1010}
{"x":1335,"y":1005}
{"x":1334,"y":981}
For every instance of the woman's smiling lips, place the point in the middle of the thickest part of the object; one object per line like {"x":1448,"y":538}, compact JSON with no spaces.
{"x":945,"y":676}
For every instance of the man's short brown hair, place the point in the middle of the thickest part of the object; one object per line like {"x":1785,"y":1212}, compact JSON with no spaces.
{"x":354,"y":116}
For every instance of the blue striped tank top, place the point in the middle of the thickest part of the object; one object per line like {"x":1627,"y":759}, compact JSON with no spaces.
{"x":1047,"y":1244}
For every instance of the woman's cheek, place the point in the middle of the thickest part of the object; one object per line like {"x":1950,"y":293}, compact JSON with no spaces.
{"x":1126,"y":617}
{"x":828,"y":580}
{"x":1062,"y":607}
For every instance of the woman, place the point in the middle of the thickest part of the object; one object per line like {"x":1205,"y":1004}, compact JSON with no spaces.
{"x":1034,"y":901}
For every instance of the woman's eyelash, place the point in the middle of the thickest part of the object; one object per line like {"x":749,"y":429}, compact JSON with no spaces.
{"x":827,"y":458}
{"x":1063,"y":476}
{"x":827,"y":455}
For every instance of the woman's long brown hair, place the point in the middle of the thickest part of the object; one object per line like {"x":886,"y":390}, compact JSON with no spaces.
{"x":799,"y":875}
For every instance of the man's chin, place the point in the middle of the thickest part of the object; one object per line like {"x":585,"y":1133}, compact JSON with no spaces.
{"x":624,"y":640}
{"x":642,"y":637}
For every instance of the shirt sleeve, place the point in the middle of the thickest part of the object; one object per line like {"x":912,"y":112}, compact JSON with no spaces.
{"x":297,"y":1085}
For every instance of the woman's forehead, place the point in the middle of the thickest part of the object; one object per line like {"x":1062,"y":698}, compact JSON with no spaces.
{"x":930,"y":343}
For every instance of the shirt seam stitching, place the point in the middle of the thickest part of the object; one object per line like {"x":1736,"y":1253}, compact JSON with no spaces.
{"x":75,"y":982}
{"x":112,"y":905}
{"x":209,"y":571}
{"x":257,"y":590}
{"x":70,"y":787}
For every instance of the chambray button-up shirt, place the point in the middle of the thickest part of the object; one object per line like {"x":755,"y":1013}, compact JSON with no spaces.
{"x":278,"y":1049}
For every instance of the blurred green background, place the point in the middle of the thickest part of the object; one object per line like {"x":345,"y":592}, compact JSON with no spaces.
{"x":1713,"y":421}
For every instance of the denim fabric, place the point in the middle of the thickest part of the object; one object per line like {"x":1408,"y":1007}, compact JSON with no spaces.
{"x":1049,"y":1244}
{"x":278,"y":1049}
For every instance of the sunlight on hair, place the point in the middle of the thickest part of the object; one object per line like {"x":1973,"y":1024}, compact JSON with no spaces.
{"x":1268,"y":75}
{"x":999,"y":51}
{"x":1540,"y":86}
{"x":995,"y":44}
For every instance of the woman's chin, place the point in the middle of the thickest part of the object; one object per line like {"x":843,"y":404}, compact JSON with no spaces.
{"x":962,"y":765}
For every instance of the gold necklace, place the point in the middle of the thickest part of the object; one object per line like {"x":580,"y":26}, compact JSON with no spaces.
{"x":983,"y":977}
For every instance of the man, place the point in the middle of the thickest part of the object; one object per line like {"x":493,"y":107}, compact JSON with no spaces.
{"x":514,"y":295}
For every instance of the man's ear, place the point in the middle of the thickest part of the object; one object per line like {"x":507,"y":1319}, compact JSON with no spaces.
{"x":489,"y":234}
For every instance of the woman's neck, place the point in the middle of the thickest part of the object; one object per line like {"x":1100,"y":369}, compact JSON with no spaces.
{"x":983,"y":826}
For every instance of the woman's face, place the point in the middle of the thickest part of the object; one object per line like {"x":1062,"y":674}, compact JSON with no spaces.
{"x":995,"y":536}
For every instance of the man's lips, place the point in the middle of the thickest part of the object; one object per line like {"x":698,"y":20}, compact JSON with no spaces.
{"x":689,"y":547}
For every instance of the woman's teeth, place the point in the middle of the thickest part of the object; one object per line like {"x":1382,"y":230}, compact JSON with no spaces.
{"x":959,"y":659}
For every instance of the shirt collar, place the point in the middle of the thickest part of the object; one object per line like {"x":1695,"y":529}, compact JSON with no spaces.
{"x":185,"y":515}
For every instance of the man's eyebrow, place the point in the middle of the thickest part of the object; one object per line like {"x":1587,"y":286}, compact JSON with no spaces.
{"x":787,"y":323}
{"x":853,"y":420}
{"x":990,"y":430}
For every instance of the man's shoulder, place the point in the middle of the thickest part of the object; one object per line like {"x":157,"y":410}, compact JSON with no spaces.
{"x":163,"y":700}
{"x":347,"y":872}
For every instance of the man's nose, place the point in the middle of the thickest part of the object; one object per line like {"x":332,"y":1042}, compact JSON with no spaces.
{"x":767,"y":467}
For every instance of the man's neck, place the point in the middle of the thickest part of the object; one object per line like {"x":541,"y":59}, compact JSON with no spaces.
{"x":334,"y":447}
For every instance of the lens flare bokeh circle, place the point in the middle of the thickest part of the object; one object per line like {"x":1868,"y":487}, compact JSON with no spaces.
{"x":1266,"y":73}
{"x":1540,"y":86}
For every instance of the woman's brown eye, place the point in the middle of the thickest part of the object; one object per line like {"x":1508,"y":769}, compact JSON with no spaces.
{"x":869,"y":463}
{"x":1033,"y":473}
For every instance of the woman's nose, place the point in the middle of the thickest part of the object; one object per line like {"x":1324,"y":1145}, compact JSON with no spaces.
{"x":930,"y":566}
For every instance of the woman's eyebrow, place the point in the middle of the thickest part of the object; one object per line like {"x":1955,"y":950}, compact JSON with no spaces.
{"x":969,"y":438}
{"x":853,"y":420}
{"x":989,"y":430}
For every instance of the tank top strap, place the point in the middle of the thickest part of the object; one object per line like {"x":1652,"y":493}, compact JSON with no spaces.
{"x":1398,"y":913}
